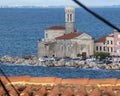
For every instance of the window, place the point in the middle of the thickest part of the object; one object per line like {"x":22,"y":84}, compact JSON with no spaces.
{"x":111,"y":49}
{"x":68,"y":48}
{"x":96,"y":48}
{"x":67,"y":17}
{"x":100,"y":48}
{"x":111,"y":42}
{"x":108,"y":49}
{"x":104,"y":42}
{"x":104,"y":48}
{"x":70,"y":17}
{"x":61,"y":47}
{"x":107,"y":42}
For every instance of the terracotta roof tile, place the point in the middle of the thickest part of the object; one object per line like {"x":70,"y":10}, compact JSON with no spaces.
{"x":110,"y":91}
{"x":118,"y":94}
{"x":95,"y":91}
{"x":64,"y":87}
{"x":68,"y":92}
{"x":56,"y":28}
{"x":55,"y":92}
{"x":20,"y":78}
{"x":103,"y":81}
{"x":81,"y":92}
{"x":26,"y":91}
{"x":43,"y":79}
{"x":89,"y":88}
{"x":69,"y":35}
{"x":118,"y":81}
{"x":58,"y":80}
{"x":15,"y":79}
{"x":41,"y":92}
{"x":75,"y":81}
{"x":102,"y":39}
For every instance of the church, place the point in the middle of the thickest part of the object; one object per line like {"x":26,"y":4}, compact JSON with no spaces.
{"x":60,"y":41}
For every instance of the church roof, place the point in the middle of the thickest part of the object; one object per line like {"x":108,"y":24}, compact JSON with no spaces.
{"x":69,"y":35}
{"x":56,"y":28}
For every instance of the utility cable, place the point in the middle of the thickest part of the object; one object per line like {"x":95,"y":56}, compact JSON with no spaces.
{"x":96,"y":15}
{"x":9,"y":82}
{"x":2,"y":84}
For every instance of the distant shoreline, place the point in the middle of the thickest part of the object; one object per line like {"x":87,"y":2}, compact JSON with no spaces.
{"x":45,"y":7}
{"x":33,"y":60}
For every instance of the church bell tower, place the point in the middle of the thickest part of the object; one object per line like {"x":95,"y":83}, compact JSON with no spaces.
{"x":69,"y":19}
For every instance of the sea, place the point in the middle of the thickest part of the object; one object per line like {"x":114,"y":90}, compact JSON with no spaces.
{"x":22,"y":28}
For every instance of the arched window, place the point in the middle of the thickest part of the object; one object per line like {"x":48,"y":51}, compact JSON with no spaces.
{"x":67,"y":17}
{"x":70,"y":17}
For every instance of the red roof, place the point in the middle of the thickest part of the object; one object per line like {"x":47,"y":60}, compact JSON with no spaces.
{"x":56,"y":28}
{"x":69,"y":35}
{"x":102,"y":39}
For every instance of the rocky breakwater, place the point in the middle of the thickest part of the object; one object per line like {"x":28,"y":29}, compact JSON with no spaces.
{"x":33,"y":60}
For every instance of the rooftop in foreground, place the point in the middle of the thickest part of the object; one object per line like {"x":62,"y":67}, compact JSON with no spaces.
{"x":52,"y":86}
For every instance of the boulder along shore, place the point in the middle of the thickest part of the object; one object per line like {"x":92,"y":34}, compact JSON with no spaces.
{"x":33,"y":60}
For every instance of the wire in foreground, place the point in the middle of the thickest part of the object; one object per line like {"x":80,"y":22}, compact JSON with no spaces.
{"x":96,"y":15}
{"x":9,"y":82}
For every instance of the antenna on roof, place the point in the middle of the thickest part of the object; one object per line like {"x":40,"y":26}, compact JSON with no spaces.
{"x":96,"y":15}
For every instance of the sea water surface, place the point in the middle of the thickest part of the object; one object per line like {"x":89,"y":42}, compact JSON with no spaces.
{"x":61,"y":72}
{"x":21,"y":28}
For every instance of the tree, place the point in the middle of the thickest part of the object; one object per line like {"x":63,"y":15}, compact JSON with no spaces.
{"x":102,"y":55}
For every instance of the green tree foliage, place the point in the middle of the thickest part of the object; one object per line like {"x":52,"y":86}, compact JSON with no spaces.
{"x":102,"y":55}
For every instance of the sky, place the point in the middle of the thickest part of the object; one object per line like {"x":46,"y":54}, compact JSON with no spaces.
{"x":57,"y":2}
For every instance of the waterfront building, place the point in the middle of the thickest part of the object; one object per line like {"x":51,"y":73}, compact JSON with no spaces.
{"x":105,"y":44}
{"x":60,"y":41}
{"x":116,"y":53}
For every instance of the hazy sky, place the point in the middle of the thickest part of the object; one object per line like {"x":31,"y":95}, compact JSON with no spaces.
{"x":57,"y":2}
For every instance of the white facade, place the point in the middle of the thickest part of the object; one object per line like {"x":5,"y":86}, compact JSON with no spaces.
{"x":52,"y":34}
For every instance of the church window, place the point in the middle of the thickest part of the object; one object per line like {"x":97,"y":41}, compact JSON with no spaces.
{"x":68,"y":48}
{"x":61,"y":48}
{"x":67,"y":17}
{"x":70,"y":17}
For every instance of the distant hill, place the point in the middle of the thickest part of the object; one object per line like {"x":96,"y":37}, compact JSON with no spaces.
{"x":20,"y":6}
